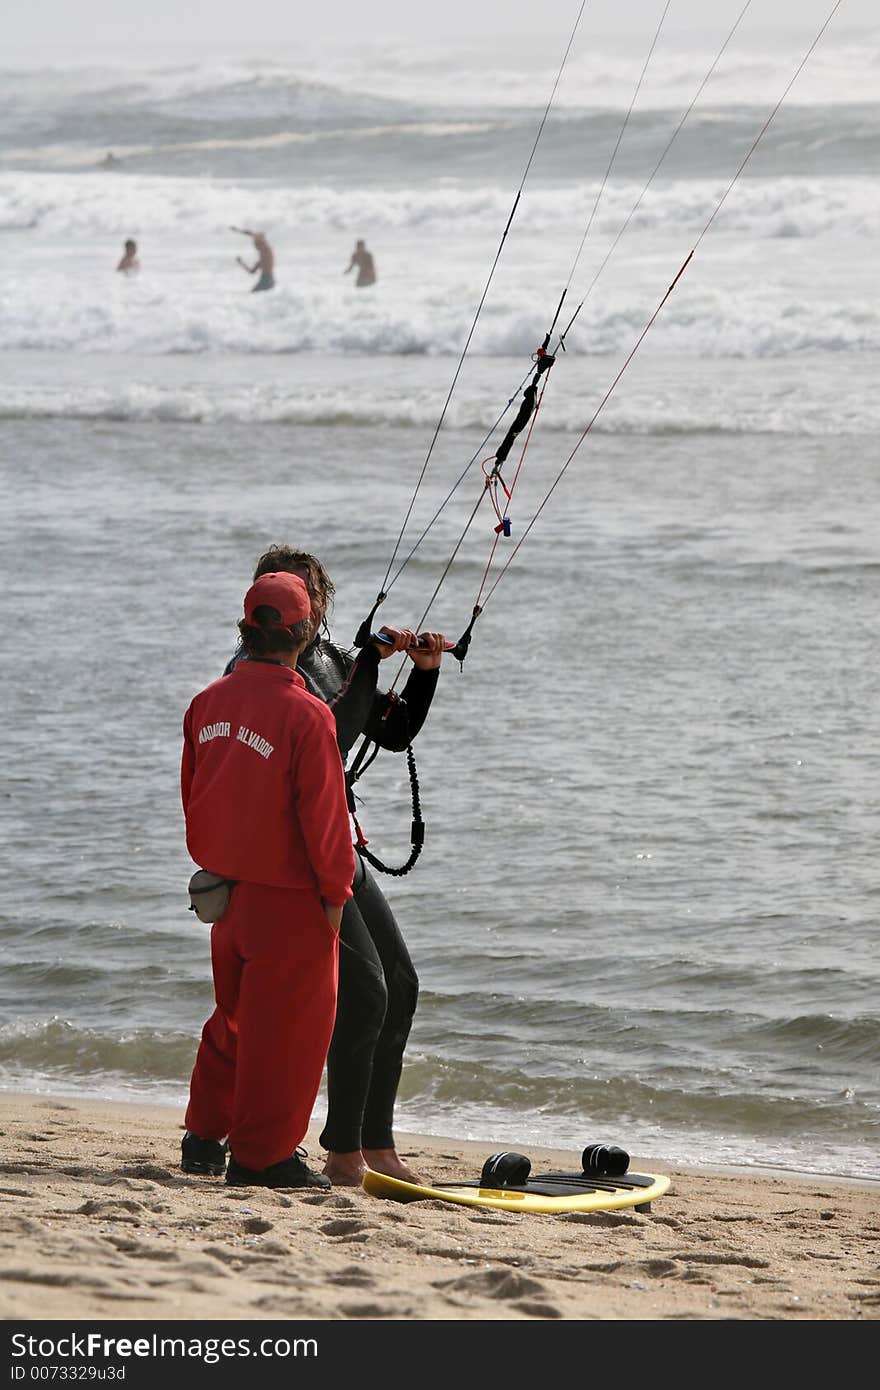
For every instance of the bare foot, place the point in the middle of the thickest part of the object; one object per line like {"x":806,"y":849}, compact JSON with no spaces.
{"x":389,"y":1162}
{"x":345,"y":1170}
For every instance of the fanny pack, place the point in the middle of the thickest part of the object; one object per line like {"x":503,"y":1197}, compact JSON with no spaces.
{"x":209,"y":895}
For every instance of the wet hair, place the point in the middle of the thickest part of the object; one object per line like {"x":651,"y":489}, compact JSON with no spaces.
{"x":267,"y":638}
{"x":284,"y":559}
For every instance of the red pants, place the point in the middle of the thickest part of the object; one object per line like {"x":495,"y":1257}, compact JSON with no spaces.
{"x":259,"y":1065}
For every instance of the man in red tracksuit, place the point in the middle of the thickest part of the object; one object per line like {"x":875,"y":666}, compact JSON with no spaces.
{"x":264,"y":798}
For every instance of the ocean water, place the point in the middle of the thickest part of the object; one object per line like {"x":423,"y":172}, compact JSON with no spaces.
{"x":646,"y":910}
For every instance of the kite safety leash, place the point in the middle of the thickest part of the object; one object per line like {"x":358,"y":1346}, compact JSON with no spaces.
{"x":417,"y":830}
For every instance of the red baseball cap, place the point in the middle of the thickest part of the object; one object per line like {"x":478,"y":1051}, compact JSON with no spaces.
{"x":286,"y":593}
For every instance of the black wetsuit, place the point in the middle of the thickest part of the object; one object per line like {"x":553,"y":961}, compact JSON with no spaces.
{"x":378,"y":986}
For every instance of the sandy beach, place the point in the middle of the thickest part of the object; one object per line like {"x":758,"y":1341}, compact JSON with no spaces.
{"x":98,"y":1222}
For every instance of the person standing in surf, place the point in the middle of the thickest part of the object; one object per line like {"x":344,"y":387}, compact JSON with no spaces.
{"x":264,"y":798}
{"x":378,"y":984}
{"x":366,"y":266}
{"x":129,"y":263}
{"x":265,"y":262}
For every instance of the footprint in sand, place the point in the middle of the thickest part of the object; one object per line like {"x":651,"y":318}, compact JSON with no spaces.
{"x":493,"y":1283}
{"x":539,"y":1310}
{"x":374,"y":1311}
{"x":606,"y":1219}
{"x":868,"y":1299}
{"x":154,"y":1171}
{"x":273,"y":1247}
{"x":239,"y":1258}
{"x":284,"y":1307}
{"x":112,"y":1209}
{"x":56,"y":1279}
{"x":256,"y":1225}
{"x":127,"y":1245}
{"x":348,"y":1228}
{"x":352,"y":1275}
{"x":20,"y":1225}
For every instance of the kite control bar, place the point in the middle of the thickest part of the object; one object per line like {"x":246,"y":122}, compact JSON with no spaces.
{"x":458,"y":649}
{"x":386,"y":641}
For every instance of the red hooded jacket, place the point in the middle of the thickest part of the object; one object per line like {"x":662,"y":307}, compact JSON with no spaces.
{"x":263,"y":785}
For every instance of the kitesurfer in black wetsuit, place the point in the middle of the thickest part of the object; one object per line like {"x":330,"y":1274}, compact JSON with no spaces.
{"x":378,"y":985}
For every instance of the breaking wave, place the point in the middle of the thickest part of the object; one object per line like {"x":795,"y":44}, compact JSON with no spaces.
{"x":676,"y":409}
{"x":53,"y":207}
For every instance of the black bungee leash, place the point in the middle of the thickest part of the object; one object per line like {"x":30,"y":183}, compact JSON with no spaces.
{"x":417,"y":829}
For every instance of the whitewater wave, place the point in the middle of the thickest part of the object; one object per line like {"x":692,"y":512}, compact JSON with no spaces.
{"x":678,"y":411}
{"x":362,"y":81}
{"x":705,"y":318}
{"x":52,"y":206}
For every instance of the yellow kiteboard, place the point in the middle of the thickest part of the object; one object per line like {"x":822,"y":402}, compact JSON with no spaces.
{"x":547,"y":1192}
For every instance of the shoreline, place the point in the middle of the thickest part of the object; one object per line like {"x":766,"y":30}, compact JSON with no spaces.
{"x":98,"y":1221}
{"x":475,"y":1148}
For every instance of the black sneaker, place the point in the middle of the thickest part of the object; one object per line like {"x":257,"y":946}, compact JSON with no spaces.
{"x":290,"y":1172}
{"x":204,"y":1156}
